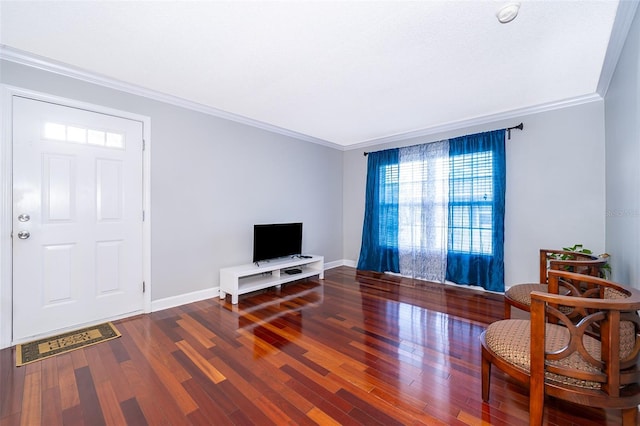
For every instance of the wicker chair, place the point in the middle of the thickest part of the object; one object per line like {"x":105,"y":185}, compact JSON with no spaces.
{"x":593,"y":362}
{"x":519,"y":295}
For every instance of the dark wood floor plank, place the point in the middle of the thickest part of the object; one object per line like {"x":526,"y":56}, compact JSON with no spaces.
{"x":91,"y":409}
{"x":71,"y":416}
{"x":355,"y":348}
{"x":133,"y":413}
{"x":207,"y":406}
{"x":118,"y":349}
{"x":239,"y":418}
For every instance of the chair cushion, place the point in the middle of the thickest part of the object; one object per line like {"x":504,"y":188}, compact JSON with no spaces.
{"x":509,"y":340}
{"x":522,"y":292}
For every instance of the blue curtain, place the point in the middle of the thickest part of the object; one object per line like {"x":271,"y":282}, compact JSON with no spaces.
{"x":379,"y":250}
{"x":475,"y":253}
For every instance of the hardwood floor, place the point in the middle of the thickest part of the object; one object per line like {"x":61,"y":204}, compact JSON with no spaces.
{"x":356,"y":348}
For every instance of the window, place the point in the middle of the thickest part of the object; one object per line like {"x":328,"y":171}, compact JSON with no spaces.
{"x":411,"y":178}
{"x":436,"y":211}
{"x":388,"y":207}
{"x":471,"y":203}
{"x":80,"y":135}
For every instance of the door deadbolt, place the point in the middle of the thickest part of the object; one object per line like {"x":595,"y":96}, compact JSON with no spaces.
{"x":23,"y":235}
{"x":24,"y":218}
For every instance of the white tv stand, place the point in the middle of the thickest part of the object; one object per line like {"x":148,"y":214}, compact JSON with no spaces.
{"x":242,"y":279}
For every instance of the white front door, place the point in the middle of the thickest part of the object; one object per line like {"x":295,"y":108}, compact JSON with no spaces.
{"x":77,"y":217}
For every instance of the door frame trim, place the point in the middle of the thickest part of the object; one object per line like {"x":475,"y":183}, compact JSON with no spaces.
{"x":7,"y":94}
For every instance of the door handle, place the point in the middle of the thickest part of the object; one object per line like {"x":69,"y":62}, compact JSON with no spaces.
{"x":23,"y":235}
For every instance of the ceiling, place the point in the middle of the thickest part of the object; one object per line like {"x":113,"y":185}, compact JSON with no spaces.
{"x":342,"y":73}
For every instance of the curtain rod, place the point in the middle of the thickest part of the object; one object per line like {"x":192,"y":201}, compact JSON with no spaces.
{"x":508,"y":129}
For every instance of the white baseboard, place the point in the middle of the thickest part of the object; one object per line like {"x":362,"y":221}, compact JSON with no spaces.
{"x":341,"y":262}
{"x":331,"y":265}
{"x":183,"y":299}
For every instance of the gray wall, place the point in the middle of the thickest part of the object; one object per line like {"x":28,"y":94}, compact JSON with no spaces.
{"x":623,"y":162}
{"x":211,"y":180}
{"x":555,"y":186}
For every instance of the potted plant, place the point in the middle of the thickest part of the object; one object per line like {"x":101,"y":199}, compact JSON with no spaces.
{"x":605,"y":269}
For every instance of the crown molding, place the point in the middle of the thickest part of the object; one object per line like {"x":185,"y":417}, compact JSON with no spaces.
{"x":28,"y":59}
{"x":35,"y":61}
{"x":479,"y":121}
{"x":621,"y":26}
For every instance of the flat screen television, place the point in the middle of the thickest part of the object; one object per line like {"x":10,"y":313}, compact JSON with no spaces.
{"x":274,"y":240}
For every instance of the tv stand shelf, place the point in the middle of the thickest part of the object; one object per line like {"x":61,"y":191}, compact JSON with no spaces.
{"x":237,"y":280}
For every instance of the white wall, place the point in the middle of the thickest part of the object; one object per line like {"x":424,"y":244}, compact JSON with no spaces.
{"x":555,"y":186}
{"x":211,"y":180}
{"x":622,"y":120}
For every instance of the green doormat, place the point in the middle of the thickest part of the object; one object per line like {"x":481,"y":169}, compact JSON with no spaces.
{"x":62,"y":343}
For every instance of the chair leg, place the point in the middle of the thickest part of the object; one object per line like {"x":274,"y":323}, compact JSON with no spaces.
{"x":507,"y":310}
{"x":536,"y":403}
{"x":486,"y":377}
{"x":630,"y":416}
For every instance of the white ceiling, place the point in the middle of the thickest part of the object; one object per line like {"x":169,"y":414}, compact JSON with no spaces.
{"x":345,"y":73}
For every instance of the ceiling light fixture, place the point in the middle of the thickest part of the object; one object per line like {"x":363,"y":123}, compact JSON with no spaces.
{"x":508,"y":12}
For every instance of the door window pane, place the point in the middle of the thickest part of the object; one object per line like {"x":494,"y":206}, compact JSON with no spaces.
{"x":55,"y":131}
{"x":76,"y":134}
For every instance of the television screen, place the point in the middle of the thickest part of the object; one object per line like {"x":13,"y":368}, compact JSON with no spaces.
{"x":276,"y":240}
